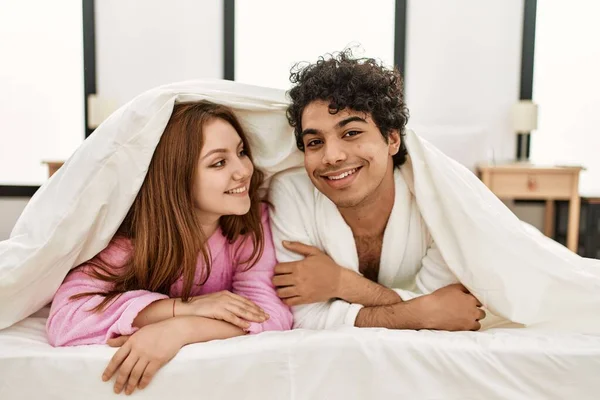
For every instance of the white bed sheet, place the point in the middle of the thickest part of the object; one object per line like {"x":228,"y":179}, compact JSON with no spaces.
{"x":348,"y":363}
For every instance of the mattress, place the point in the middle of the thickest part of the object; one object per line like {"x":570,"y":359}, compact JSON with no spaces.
{"x":348,"y":363}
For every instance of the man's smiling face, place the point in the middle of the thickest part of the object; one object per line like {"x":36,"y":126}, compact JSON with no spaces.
{"x":345,"y":154}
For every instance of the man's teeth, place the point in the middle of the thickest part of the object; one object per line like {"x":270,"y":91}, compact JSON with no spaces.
{"x":239,"y":190}
{"x":343,"y":175}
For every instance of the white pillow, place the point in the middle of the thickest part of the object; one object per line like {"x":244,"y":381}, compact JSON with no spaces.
{"x":74,"y":215}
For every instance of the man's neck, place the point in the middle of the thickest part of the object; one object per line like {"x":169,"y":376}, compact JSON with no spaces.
{"x":370,"y":217}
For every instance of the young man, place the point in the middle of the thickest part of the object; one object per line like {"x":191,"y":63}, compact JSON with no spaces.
{"x":352,"y":245}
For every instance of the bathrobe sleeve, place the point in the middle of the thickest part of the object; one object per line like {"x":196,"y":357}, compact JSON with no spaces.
{"x":433,"y":274}
{"x":73,"y":322}
{"x":291,"y":220}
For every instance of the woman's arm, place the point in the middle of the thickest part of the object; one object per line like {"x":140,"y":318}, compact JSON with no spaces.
{"x":73,"y":321}
{"x":146,"y":351}
{"x":156,"y":312}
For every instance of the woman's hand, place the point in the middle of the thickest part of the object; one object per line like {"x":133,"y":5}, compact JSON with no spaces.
{"x":223,"y":306}
{"x":142,"y":354}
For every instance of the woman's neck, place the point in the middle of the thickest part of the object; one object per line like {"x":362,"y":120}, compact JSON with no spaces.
{"x":208,"y":223}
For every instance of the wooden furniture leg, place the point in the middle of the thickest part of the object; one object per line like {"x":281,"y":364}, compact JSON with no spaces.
{"x":549,"y":219}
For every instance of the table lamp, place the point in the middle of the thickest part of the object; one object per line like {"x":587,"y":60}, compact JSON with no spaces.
{"x":524,"y":118}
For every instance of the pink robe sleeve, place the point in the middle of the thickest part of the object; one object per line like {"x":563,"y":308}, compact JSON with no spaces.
{"x":72,"y":322}
{"x":255,"y":283}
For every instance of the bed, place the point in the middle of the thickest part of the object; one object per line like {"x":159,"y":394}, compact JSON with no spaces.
{"x":522,"y":276}
{"x":348,"y":363}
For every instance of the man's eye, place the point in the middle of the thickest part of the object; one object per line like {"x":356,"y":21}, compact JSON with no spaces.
{"x":313,"y":143}
{"x":352,"y":133}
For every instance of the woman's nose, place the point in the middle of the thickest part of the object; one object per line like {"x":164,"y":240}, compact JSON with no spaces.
{"x":242,"y":171}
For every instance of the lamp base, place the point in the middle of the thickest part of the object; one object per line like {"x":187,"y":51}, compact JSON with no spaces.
{"x":523,"y":145}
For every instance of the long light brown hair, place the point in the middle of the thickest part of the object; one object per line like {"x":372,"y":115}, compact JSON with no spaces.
{"x":162,"y":225}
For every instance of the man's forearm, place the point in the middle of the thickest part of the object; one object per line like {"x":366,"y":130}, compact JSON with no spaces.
{"x":360,"y":290}
{"x":396,"y":316}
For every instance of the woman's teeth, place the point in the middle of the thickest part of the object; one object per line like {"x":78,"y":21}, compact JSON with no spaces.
{"x":343,"y":175}
{"x":235,"y":191}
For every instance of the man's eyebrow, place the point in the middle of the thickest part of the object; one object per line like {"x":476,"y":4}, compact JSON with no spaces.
{"x":346,"y":121}
{"x":308,"y":131}
{"x":340,"y":124}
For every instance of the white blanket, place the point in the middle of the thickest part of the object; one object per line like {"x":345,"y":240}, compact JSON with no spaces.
{"x":517,"y":274}
{"x":344,"y":363}
{"x":515,"y":271}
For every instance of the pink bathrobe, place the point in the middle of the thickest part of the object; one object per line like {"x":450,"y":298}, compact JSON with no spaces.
{"x":72,"y":323}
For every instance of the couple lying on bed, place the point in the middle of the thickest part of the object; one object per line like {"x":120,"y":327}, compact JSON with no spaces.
{"x":201,"y":256}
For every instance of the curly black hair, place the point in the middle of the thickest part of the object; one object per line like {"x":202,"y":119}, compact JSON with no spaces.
{"x":358,"y":84}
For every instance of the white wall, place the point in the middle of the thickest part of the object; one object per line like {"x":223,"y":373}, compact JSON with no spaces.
{"x":272,"y":35}
{"x":463,"y":57}
{"x":566,"y":85}
{"x":41,"y":86}
{"x":141,"y":44}
{"x":463,"y":67}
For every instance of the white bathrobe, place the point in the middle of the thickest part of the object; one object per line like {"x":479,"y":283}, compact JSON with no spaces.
{"x":411,"y":263}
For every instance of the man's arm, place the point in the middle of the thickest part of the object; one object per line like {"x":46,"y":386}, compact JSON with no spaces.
{"x":451,"y":308}
{"x":292,"y":219}
{"x":394,"y":316}
{"x":355,"y":288}
{"x":434,"y":274}
{"x":317,"y":278}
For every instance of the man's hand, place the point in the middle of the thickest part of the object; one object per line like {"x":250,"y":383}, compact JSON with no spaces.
{"x":451,"y":308}
{"x":312,"y":280}
{"x":142,"y":354}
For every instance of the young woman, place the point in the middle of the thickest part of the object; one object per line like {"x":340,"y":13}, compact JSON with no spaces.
{"x":192,"y":261}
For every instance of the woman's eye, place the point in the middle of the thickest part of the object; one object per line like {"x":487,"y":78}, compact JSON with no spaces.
{"x":218,"y":164}
{"x":352,"y":133}
{"x":243,"y":153}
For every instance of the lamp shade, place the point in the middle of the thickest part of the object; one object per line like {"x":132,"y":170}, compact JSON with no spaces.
{"x":99,"y":108}
{"x":525,"y":116}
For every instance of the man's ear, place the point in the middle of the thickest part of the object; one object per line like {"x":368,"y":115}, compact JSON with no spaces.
{"x":394,"y":141}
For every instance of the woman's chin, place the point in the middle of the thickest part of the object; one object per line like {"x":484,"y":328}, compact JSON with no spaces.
{"x":241,"y":209}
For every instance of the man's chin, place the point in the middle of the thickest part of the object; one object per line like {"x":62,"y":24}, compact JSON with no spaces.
{"x":344,"y":200}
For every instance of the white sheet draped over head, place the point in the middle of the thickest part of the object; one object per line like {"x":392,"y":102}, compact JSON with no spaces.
{"x":514,"y":270}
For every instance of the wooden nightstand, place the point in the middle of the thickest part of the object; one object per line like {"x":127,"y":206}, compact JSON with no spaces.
{"x":522,"y":181}
{"x":53,"y":166}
